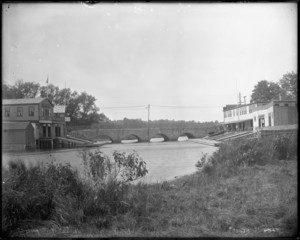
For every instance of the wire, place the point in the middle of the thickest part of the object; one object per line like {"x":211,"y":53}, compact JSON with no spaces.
{"x":160,"y":106}
{"x":186,"y":106}
{"x":122,"y":107}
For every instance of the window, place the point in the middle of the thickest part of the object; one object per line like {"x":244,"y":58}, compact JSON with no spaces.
{"x":286,"y":104}
{"x":45,"y":112}
{"x":7,"y":112}
{"x":19,"y":111}
{"x":31,"y":111}
{"x":44,"y":130}
{"x":57,"y":131}
{"x":49,"y":131}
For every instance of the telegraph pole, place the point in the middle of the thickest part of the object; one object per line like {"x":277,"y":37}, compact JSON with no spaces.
{"x":148,"y":123}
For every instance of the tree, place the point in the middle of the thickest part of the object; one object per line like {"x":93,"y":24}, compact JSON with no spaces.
{"x":265,"y":91}
{"x":7,"y":91}
{"x":289,"y":83}
{"x":49,"y":92}
{"x":63,"y":96}
{"x":26,"y":89}
{"x":20,"y":89}
{"x":87,"y":105}
{"x":80,"y":107}
{"x":73,"y":107}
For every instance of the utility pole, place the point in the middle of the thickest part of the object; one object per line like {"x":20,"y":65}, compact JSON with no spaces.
{"x":65,"y":93}
{"x":148,"y":123}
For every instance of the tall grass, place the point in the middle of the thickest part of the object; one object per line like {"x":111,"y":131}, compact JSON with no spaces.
{"x":57,"y":195}
{"x":243,"y":188}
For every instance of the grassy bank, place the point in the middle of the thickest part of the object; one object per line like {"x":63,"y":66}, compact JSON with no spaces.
{"x":246,"y":189}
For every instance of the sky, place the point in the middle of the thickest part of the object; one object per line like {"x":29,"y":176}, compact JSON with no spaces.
{"x":187,"y":60}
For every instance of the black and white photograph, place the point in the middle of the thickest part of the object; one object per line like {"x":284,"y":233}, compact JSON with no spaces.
{"x":149,"y":119}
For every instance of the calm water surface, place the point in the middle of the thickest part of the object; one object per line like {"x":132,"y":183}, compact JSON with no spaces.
{"x":165,"y":160}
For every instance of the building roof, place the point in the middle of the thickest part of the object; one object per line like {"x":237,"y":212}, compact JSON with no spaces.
{"x":234,"y":106}
{"x":14,"y":125}
{"x":230,"y":106}
{"x":59,"y":109}
{"x":21,"y":101}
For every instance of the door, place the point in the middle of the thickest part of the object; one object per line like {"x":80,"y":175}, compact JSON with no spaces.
{"x":261,"y":121}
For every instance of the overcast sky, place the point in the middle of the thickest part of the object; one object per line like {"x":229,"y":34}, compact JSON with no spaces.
{"x":196,"y":57}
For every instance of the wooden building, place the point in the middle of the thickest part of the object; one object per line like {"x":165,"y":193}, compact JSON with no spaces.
{"x":17,"y":136}
{"x":253,"y":116}
{"x":48,"y":122}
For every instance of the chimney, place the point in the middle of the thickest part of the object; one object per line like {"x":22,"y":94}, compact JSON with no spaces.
{"x":244,"y":99}
{"x":240,"y":99}
{"x":279,"y":97}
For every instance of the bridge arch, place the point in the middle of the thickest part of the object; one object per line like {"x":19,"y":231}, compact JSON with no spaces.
{"x":189,"y":135}
{"x":104,"y":138}
{"x":164,"y":136}
{"x":131,"y":137}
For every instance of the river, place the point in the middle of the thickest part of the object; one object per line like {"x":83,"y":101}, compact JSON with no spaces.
{"x":165,"y":160}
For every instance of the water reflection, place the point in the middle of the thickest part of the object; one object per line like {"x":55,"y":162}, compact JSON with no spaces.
{"x":183,"y":139}
{"x":157,"y":140}
{"x":130,"y":141}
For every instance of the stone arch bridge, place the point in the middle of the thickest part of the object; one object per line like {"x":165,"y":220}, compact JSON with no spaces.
{"x":117,"y":135}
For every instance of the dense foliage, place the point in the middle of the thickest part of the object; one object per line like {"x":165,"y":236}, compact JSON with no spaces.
{"x":57,"y":195}
{"x":248,"y":152}
{"x":80,"y":107}
{"x":285,"y":88}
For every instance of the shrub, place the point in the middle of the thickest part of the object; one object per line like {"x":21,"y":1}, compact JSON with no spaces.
{"x":107,"y":183}
{"x":37,"y":195}
{"x":202,"y":162}
{"x":281,"y":144}
{"x":239,"y":153}
{"x":285,"y":147}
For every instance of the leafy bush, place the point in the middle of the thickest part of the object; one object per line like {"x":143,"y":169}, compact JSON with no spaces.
{"x":56,"y":194}
{"x":285,"y":147}
{"x":239,"y":153}
{"x":281,"y":144}
{"x":107,"y":183}
{"x":35,"y":195}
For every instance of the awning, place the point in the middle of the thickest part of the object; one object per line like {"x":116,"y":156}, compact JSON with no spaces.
{"x":239,"y":121}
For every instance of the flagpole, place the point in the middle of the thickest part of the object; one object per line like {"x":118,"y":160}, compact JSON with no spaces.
{"x":47,"y":85}
{"x":65,"y":92}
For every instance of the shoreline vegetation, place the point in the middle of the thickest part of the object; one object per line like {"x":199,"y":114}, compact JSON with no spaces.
{"x":247,"y":188}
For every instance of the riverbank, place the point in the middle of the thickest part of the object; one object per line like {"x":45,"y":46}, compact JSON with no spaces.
{"x":245,"y":190}
{"x":261,"y":201}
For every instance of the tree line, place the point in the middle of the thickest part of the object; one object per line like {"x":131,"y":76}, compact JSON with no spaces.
{"x":284,"y":89}
{"x":80,"y":107}
{"x":84,"y":113}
